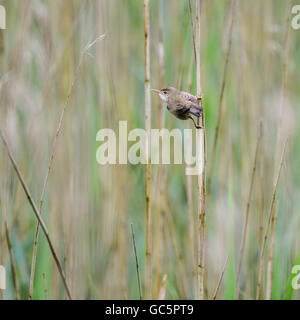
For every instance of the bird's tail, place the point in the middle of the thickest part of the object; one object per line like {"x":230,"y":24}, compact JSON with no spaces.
{"x":196,"y":111}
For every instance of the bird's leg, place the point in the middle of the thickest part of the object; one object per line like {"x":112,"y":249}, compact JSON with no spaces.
{"x":196,"y":126}
{"x":199,"y":98}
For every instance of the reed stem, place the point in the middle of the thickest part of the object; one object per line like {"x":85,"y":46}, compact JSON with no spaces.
{"x":148,"y":280}
{"x":221,"y":101}
{"x":245,"y":227}
{"x":201,"y":163}
{"x":279,"y":135}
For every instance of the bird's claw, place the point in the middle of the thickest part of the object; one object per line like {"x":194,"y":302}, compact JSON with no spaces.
{"x":199,"y":98}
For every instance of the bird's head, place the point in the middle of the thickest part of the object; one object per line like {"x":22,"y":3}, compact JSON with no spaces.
{"x":165,"y":93}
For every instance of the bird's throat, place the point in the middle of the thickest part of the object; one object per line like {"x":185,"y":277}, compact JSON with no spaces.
{"x":163,"y":98}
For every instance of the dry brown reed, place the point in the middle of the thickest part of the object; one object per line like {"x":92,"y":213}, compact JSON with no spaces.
{"x":201,"y":159}
{"x":148,"y":267}
{"x":161,"y":173}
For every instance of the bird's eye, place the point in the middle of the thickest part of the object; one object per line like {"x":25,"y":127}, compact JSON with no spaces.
{"x":165,"y":92}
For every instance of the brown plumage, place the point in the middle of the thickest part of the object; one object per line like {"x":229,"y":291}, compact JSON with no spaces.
{"x":182,"y":105}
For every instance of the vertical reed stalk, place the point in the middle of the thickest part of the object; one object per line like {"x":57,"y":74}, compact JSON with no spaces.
{"x":192,"y":222}
{"x":158,"y":244}
{"x":179,"y":258}
{"x":148,"y":280}
{"x":201,"y":159}
{"x":192,"y":29}
{"x":271,"y":254}
{"x":245,"y":227}
{"x":282,"y":104}
{"x":221,"y":101}
{"x":259,"y":289}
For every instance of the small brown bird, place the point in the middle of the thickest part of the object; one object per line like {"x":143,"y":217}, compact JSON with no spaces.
{"x":181,"y":104}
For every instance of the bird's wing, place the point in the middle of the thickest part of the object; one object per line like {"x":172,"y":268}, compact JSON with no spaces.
{"x":181,"y":100}
{"x":184,"y":106}
{"x":189,"y":97}
{"x":181,"y":109}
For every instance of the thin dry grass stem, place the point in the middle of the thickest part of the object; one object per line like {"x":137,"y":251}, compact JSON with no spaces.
{"x":37,"y":214}
{"x":192,"y":231}
{"x":259,"y":290}
{"x":161,"y":172}
{"x":45,"y":285}
{"x":221,"y":101}
{"x":136,"y":262}
{"x":220,"y":280}
{"x":12,"y":261}
{"x":245,"y":227}
{"x":35,"y":244}
{"x":201,"y":154}
{"x":192,"y":29}
{"x":158,"y":244}
{"x":178,"y":256}
{"x":148,"y":273}
{"x":271,"y":254}
{"x":282,"y":104}
{"x":192,"y":220}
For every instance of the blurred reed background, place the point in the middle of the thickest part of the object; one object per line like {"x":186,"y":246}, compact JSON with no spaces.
{"x":88,"y":208}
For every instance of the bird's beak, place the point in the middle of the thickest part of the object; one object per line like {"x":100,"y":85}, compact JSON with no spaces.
{"x":155,"y":90}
